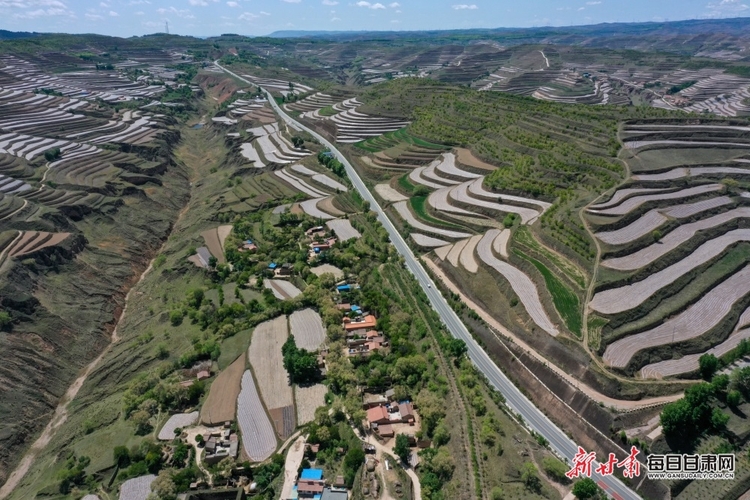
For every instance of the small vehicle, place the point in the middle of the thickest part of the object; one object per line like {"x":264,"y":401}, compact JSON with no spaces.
{"x":429,"y":285}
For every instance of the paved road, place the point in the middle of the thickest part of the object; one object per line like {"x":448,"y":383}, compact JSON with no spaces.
{"x":535,"y":419}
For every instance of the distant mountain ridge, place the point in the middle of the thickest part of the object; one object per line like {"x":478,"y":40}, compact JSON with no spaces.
{"x":12,"y":35}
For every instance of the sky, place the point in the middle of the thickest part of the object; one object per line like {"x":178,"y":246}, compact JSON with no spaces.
{"x":261,"y":17}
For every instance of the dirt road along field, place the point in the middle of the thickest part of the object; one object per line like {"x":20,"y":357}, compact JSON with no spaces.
{"x":293,"y":461}
{"x":220,"y":406}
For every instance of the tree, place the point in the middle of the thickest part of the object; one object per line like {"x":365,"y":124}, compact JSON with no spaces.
{"x":734,"y":398}
{"x":402,"y":447}
{"x":441,"y":435}
{"x":5,"y":319}
{"x":555,"y":469}
{"x":530,"y":477}
{"x":708,"y":364}
{"x":656,"y":235}
{"x":496,"y":493}
{"x":142,"y":421}
{"x":163,"y":487}
{"x":121,"y":456}
{"x":719,"y":419}
{"x":420,"y":191}
{"x":586,"y":488}
{"x":52,"y":154}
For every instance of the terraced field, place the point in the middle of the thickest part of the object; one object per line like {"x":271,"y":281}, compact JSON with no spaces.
{"x":258,"y":438}
{"x":307,"y":329}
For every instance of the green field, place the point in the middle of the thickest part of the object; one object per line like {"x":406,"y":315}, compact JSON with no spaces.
{"x":566,"y":302}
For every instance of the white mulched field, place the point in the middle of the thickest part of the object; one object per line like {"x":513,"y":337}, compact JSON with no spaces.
{"x":476,"y":189}
{"x":403,"y":210}
{"x":461,"y":194}
{"x":641,"y":144}
{"x":632,"y":203}
{"x":689,"y":209}
{"x":672,"y":240}
{"x":287,"y":288}
{"x":308,"y":400}
{"x":693,"y":322}
{"x":343,"y":229}
{"x":679,"y":173}
{"x":265,"y":357}
{"x":416,"y":177}
{"x":307,"y":329}
{"x":301,"y":169}
{"x":448,"y":167}
{"x":689,"y":362}
{"x":258,"y":436}
{"x":138,"y":488}
{"x":519,"y":281}
{"x":248,"y":151}
{"x":439,"y":201}
{"x":622,"y":194}
{"x":467,"y":259}
{"x":500,"y":244}
{"x":427,"y":241}
{"x":178,"y":421}
{"x":329,"y":183}
{"x":431,"y":174}
{"x":299,"y":184}
{"x":388,"y":193}
{"x":617,"y":300}
{"x":455,"y":252}
{"x":310,"y":207}
{"x":638,"y":228}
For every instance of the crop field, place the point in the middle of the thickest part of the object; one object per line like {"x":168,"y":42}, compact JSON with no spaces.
{"x":519,"y":281}
{"x":312,"y":208}
{"x":672,"y":240}
{"x":308,"y":399}
{"x":219,"y":406}
{"x":696,"y":320}
{"x":427,"y":241}
{"x":388,"y":193}
{"x":265,"y":358}
{"x":282,"y":289}
{"x":353,"y":126}
{"x":617,"y":300}
{"x":343,"y":229}
{"x":258,"y":438}
{"x":307,"y":329}
{"x":137,"y":488}
{"x":467,"y":259}
{"x":177,"y":421}
{"x":32,"y":241}
{"x":299,"y":184}
{"x":402,"y":208}
{"x":214,"y":242}
{"x":633,"y":203}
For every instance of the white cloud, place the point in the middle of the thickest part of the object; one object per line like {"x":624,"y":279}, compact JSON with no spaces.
{"x":32,"y":9}
{"x":248,"y":16}
{"x":464,"y":6}
{"x":112,"y":13}
{"x":183,"y":13}
{"x":334,"y":19}
{"x":593,"y":3}
{"x":140,"y":13}
{"x":395,"y":21}
{"x":330,"y":2}
{"x":374,"y":6}
{"x":726,"y":7}
{"x":138,"y":2}
{"x":93,"y":17}
{"x":233,"y":4}
{"x":581,"y":8}
{"x":291,"y":1}
{"x":264,"y":13}
{"x":201,"y":3}
{"x":103,"y":4}
{"x":394,"y":5}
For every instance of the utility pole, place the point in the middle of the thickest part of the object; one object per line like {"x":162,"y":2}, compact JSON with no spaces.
{"x":166,"y":26}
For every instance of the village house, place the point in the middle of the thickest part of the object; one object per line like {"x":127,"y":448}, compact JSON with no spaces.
{"x":381,"y":419}
{"x":248,"y":246}
{"x":283,"y":270}
{"x":367,"y":322}
{"x":220,"y":445}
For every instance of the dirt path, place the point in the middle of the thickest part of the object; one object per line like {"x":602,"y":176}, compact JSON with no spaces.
{"x":293,"y":461}
{"x":61,"y":412}
{"x":192,"y":433}
{"x":617,"y":404}
{"x":25,"y":202}
{"x":380,"y":450}
{"x":10,"y":245}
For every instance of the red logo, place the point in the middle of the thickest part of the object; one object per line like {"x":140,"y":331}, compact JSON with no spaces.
{"x":582,"y":464}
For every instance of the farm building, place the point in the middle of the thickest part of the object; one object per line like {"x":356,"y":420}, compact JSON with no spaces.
{"x":283,"y":270}
{"x":248,"y":246}
{"x":378,"y":415}
{"x":332,"y":494}
{"x":310,"y":483}
{"x":344,"y":288}
{"x":363,"y":344}
{"x":220,"y":447}
{"x":366,"y":323}
{"x":323,"y":245}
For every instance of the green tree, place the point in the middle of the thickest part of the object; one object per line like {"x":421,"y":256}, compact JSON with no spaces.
{"x":5,"y":319}
{"x":708,"y":364}
{"x":530,"y":477}
{"x":497,"y":493}
{"x":734,"y":398}
{"x":555,"y":469}
{"x":586,"y":488}
{"x":420,"y":191}
{"x":121,"y":456}
{"x":402,"y":447}
{"x":163,"y":487}
{"x":656,"y":235}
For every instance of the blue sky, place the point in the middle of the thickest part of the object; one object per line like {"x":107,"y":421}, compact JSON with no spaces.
{"x":260,"y":17}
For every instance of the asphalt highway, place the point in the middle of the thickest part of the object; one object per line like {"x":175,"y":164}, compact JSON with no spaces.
{"x":534,"y":418}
